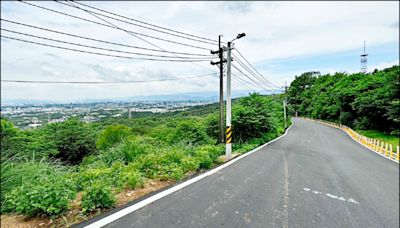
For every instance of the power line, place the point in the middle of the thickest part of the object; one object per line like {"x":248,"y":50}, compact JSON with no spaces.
{"x":258,"y":77}
{"x":102,"y":54}
{"x":146,"y":23}
{"x":100,"y":48}
{"x":264,"y":82}
{"x":104,"y":82}
{"x":254,"y":68}
{"x":132,"y":34}
{"x":127,"y":22}
{"x":251,"y":79}
{"x":241,"y":82}
{"x":115,"y":27}
{"x":102,"y":41}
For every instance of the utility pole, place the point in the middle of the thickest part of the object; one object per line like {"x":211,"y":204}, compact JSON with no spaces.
{"x":284,"y":106}
{"x":220,"y":53}
{"x":284,"y":112}
{"x":228,"y":150}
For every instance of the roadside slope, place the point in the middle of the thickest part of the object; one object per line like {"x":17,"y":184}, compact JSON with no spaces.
{"x":315,"y":176}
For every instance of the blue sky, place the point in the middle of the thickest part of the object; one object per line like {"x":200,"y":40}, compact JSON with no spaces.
{"x":283,"y":39}
{"x":379,"y":56}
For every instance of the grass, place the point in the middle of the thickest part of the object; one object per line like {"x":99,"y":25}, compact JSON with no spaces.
{"x":391,"y":139}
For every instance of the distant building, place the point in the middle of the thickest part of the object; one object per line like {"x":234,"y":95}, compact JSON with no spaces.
{"x":89,"y":119}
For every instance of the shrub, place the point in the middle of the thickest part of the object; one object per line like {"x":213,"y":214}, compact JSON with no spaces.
{"x":131,"y":177}
{"x":98,"y":195}
{"x":164,"y":166}
{"x":189,"y":163}
{"x":252,"y":117}
{"x":191,"y":131}
{"x":14,"y":175}
{"x":204,"y":160}
{"x":213,"y":151}
{"x":87,"y":177}
{"x":112,"y":135}
{"x":126,"y":151}
{"x":50,"y":196}
{"x":73,"y":139}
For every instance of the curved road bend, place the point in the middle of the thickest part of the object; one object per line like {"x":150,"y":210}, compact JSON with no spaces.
{"x":315,"y":176}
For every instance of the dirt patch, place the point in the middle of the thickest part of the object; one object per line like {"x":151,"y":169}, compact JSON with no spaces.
{"x":223,"y":158}
{"x":75,"y":215}
{"x":20,"y":221}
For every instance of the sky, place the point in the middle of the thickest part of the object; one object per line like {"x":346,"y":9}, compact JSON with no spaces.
{"x":283,"y":39}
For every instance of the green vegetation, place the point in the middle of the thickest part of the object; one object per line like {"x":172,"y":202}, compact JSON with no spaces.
{"x":387,"y":138}
{"x":44,"y":169}
{"x":360,"y":101}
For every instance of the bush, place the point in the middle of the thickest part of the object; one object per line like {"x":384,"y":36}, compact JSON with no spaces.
{"x":73,"y":139}
{"x":165,"y":166}
{"x":131,"y":177}
{"x":14,"y":175}
{"x":189,"y":163}
{"x":204,"y":159}
{"x":192,"y":131}
{"x":50,"y":196}
{"x":213,"y":151}
{"x":252,"y":117}
{"x":98,"y":195}
{"x":87,"y":177}
{"x":126,"y":151}
{"x":112,"y":135}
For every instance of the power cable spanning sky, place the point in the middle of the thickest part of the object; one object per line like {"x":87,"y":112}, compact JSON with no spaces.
{"x":74,"y":50}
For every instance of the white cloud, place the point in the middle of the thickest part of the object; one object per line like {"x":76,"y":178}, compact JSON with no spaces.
{"x":274,"y":30}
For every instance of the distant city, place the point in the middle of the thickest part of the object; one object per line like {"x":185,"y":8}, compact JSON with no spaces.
{"x":26,"y":116}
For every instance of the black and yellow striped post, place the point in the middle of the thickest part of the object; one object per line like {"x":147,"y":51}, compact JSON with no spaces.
{"x":228,"y":135}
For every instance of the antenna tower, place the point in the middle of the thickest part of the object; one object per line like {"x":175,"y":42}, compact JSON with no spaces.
{"x":363,"y":58}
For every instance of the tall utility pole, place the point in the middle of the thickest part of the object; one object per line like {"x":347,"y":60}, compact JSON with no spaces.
{"x":228,"y":151}
{"x":284,"y":112}
{"x":221,"y":91}
{"x":220,"y":53}
{"x":284,"y":105}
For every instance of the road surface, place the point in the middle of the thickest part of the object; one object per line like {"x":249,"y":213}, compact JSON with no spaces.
{"x":315,"y":176}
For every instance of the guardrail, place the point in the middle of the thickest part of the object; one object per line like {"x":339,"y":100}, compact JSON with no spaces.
{"x":382,"y":148}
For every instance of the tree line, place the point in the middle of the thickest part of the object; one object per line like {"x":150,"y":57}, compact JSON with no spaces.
{"x":359,"y":100}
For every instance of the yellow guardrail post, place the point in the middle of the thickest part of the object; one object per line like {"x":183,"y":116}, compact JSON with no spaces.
{"x":390,"y":151}
{"x":398,"y":153}
{"x":382,"y":149}
{"x":386,"y":149}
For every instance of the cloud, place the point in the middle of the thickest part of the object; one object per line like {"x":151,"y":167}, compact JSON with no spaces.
{"x":280,"y":35}
{"x":238,"y":7}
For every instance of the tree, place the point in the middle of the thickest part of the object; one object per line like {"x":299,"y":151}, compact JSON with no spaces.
{"x":252,"y":117}
{"x":73,"y":140}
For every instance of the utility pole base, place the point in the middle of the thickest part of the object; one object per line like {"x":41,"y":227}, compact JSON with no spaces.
{"x":228,"y":151}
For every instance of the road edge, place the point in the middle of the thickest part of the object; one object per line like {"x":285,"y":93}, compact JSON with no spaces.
{"x":125,"y":211}
{"x":376,"y":152}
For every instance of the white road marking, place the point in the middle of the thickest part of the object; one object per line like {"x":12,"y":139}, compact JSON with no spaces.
{"x":119,"y":214}
{"x":350,"y":200}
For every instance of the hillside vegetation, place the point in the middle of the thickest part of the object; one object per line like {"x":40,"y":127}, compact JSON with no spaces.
{"x":44,"y":170}
{"x":360,"y":101}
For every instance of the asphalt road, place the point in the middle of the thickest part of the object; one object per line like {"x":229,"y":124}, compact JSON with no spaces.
{"x":315,"y":176}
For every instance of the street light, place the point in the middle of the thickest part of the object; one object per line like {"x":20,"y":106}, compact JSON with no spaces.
{"x":228,"y":150}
